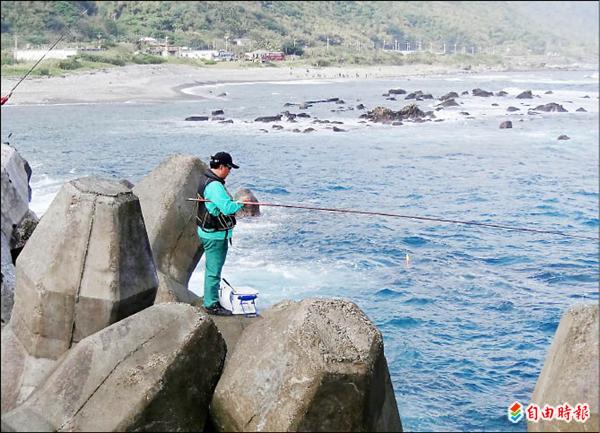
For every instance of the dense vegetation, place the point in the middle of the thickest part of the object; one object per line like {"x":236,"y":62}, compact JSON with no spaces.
{"x":312,"y":26}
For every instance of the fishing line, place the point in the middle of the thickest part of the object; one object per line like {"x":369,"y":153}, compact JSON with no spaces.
{"x":67,"y":30}
{"x":421,"y":218}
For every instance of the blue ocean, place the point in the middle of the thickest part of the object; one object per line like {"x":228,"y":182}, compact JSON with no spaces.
{"x":467,"y":313}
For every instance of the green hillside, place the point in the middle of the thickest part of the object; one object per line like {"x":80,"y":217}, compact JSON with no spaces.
{"x":486,"y":27}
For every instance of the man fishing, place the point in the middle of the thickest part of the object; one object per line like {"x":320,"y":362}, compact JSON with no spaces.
{"x":216,"y":221}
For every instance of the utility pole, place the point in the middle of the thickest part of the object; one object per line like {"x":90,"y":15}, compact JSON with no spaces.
{"x":327,"y":43}
{"x":444,"y":52}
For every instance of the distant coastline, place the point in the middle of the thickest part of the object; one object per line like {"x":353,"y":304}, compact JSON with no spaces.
{"x":155,"y":83}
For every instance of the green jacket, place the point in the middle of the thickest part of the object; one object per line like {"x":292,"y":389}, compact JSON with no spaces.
{"x":220,"y":200}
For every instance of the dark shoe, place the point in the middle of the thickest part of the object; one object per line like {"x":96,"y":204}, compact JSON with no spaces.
{"x":217,"y":310}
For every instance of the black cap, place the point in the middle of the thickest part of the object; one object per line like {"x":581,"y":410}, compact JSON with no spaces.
{"x":223,"y":158}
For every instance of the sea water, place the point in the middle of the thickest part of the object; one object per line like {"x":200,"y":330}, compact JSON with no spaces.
{"x":467,"y":313}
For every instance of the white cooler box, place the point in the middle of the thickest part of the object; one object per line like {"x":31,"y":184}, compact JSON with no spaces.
{"x":242,"y":300}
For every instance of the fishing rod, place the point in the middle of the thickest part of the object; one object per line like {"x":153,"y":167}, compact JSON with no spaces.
{"x":396,"y":215}
{"x":67,"y":30}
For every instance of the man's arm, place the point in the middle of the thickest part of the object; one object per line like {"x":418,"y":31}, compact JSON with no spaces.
{"x":216,"y":193}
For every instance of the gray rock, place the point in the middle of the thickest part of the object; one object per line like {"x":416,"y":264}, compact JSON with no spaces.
{"x":480,"y":92}
{"x":22,"y":233}
{"x":563,"y":137}
{"x":127,"y":183}
{"x":449,"y":95}
{"x":251,"y":210}
{"x":196,"y":118}
{"x":448,"y":103}
{"x":581,"y":110}
{"x":171,"y":220}
{"x":525,"y":95}
{"x":336,"y":129}
{"x":14,"y":189}
{"x":507,"y":124}
{"x":320,"y":367}
{"x":396,"y":92}
{"x":501,"y":93}
{"x":269,"y":118}
{"x":307,"y":130}
{"x":217,"y":112}
{"x":511,"y":109}
{"x":360,"y":107}
{"x":278,"y":127}
{"x":549,"y":92}
{"x":570,"y":372}
{"x":154,"y":371}
{"x":88,"y":264}
{"x":551,"y":107}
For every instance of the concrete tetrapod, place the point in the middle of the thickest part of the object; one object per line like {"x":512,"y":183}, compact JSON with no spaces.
{"x":171,"y":223}
{"x":570,"y":373}
{"x":15,"y":194}
{"x":88,"y":264}
{"x":314,"y":365}
{"x":153,"y":371}
{"x":14,"y":188}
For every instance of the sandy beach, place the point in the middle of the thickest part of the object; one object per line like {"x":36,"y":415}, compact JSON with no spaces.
{"x":170,"y":81}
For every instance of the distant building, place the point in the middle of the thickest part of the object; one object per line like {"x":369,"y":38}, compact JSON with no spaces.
{"x":35,"y":55}
{"x":265,"y":56}
{"x":199,"y":54}
{"x":224,"y":56}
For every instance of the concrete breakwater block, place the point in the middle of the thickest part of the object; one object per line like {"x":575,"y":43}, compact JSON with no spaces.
{"x":14,"y":189}
{"x":570,"y":373}
{"x":171,"y":221}
{"x":88,"y":264}
{"x":7,"y":285}
{"x":153,"y":371}
{"x":314,"y":365}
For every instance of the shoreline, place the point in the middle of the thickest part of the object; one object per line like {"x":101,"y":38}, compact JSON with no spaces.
{"x":169,"y":82}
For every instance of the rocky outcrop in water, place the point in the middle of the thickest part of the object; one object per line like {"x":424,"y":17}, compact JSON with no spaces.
{"x":570,"y":372}
{"x":449,"y":95}
{"x":551,"y":107}
{"x":507,"y":124}
{"x":249,"y":210}
{"x":396,"y":92}
{"x":268,"y":118}
{"x":386,"y":115}
{"x":481,"y":92}
{"x":563,"y":137}
{"x":321,"y":367}
{"x":196,"y":118}
{"x":448,"y":103}
{"x":525,"y":95}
